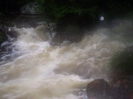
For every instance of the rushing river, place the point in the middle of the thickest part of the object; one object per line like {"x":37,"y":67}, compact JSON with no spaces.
{"x":35,"y":69}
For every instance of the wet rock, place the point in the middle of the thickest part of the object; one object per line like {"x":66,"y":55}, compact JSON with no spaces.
{"x":121,"y":75}
{"x":8,"y":33}
{"x":98,"y":89}
{"x":120,"y":89}
{"x":117,"y":84}
{"x":70,"y":33}
{"x":2,"y":36}
{"x":130,"y":95}
{"x":117,"y":75}
{"x":6,"y":43}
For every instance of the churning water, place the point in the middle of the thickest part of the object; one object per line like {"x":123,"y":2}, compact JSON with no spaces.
{"x":38,"y":70}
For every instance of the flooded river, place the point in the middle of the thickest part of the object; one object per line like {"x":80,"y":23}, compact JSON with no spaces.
{"x":35,"y":69}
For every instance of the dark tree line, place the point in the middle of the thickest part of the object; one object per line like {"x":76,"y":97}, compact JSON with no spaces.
{"x":61,"y":10}
{"x":12,"y":6}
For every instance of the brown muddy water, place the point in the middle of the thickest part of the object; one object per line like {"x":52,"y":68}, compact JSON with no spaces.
{"x":38,"y":70}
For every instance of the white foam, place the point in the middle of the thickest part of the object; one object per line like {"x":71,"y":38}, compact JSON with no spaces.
{"x":42,"y":71}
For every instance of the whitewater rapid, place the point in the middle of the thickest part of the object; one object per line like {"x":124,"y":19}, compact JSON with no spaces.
{"x":38,"y":70}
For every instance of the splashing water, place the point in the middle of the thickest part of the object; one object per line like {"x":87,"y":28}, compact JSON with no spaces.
{"x":42,"y":71}
{"x":31,"y":8}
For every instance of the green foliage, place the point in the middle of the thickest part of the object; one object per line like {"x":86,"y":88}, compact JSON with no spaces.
{"x":74,"y":10}
{"x":80,"y":10}
{"x":59,"y":10}
{"x":123,"y":60}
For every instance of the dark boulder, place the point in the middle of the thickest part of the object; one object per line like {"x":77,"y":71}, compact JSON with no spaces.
{"x":72,"y":33}
{"x":98,"y":89}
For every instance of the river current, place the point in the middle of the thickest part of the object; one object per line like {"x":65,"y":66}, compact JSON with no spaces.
{"x":38,"y":70}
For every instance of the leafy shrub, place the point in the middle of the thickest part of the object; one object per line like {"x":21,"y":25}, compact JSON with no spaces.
{"x":69,"y":9}
{"x":88,"y":9}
